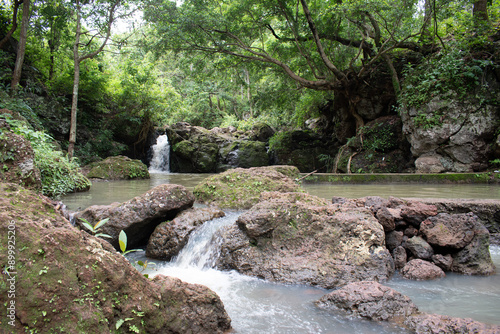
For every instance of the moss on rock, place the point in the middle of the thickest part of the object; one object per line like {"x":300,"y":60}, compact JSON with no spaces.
{"x":241,"y":188}
{"x":118,"y":168}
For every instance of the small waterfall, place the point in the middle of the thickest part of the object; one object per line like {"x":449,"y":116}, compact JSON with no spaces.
{"x":160,"y":162}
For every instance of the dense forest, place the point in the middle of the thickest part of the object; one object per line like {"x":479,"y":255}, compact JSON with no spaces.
{"x":97,"y":76}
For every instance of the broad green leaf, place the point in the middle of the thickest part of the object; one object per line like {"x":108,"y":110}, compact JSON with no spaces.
{"x":88,"y":226}
{"x":122,"y":240}
{"x":100,"y":223}
{"x":119,"y":323}
{"x":103,"y":235}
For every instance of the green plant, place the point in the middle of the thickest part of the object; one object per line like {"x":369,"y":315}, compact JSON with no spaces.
{"x":122,"y":241}
{"x":327,"y":160}
{"x":95,"y":229}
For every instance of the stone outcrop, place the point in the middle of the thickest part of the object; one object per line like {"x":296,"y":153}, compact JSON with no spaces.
{"x":370,"y":300}
{"x":428,"y":234}
{"x":74,"y":283}
{"x":117,"y":168}
{"x":241,"y":188}
{"x":437,"y":324}
{"x":292,"y":238}
{"x":170,"y":237}
{"x":198,"y":150}
{"x":139,"y":216}
{"x":451,"y":134}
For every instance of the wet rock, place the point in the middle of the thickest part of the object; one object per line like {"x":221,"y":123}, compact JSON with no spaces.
{"x":400,"y":257}
{"x":418,"y":269}
{"x":170,"y":237}
{"x":443,"y":261}
{"x":288,"y":240}
{"x":429,"y":163}
{"x":450,"y":231}
{"x":415,"y":212}
{"x":244,"y":154}
{"x":437,"y":324}
{"x":117,"y":168}
{"x":139,"y":216}
{"x":393,"y":239}
{"x":77,"y":283}
{"x":241,"y":188}
{"x":419,"y":248}
{"x":370,"y":300}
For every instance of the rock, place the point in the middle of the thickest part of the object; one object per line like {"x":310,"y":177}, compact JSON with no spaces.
{"x":117,"y":168}
{"x":77,"y":283}
{"x":241,"y":188}
{"x":410,"y":231}
{"x":244,"y":154}
{"x":437,"y":324}
{"x":443,"y":261}
{"x":393,"y":239}
{"x":419,"y":248}
{"x":17,"y":159}
{"x":418,"y":269}
{"x":449,"y":231}
{"x":170,"y":237}
{"x":414,"y":212}
{"x":370,"y":300}
{"x":139,"y":216}
{"x":459,"y":139}
{"x":400,"y":257}
{"x":289,"y":240}
{"x":386,"y":219}
{"x":429,"y":163}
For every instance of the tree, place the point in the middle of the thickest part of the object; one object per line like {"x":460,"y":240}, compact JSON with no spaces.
{"x":15,"y":8}
{"x":321,"y":45}
{"x":21,"y":50}
{"x":100,"y":15}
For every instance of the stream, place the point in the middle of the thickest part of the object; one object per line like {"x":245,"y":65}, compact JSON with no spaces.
{"x":257,"y":306}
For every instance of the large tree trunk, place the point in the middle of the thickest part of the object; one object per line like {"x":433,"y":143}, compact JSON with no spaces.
{"x":16,"y":76}
{"x":480,"y":10}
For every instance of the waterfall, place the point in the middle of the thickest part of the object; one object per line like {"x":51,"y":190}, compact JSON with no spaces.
{"x":160,"y":162}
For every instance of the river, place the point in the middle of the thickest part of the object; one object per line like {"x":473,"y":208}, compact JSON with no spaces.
{"x":257,"y":306}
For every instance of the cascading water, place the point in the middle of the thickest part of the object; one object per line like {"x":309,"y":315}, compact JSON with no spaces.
{"x":160,"y":162}
{"x":254,"y":305}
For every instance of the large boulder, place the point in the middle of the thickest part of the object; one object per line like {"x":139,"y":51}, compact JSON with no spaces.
{"x":370,"y":300}
{"x":244,"y":154}
{"x":241,"y":188}
{"x":450,"y":231}
{"x":139,"y":216}
{"x":170,"y":237}
{"x":437,"y":324}
{"x":292,"y":239}
{"x":17,"y":159}
{"x":63,"y":279}
{"x":117,"y":168}
{"x":451,"y":134}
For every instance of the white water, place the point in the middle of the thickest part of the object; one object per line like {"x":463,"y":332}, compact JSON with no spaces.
{"x":254,"y":305}
{"x":160,"y":162}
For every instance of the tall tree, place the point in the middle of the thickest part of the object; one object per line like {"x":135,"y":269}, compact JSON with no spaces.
{"x":21,"y":49}
{"x":101,"y":14}
{"x":15,"y":8}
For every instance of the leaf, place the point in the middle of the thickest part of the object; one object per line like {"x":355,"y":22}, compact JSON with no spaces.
{"x":122,"y":240}
{"x":119,"y":323}
{"x":103,"y":235}
{"x":140,"y":263}
{"x":100,"y":223}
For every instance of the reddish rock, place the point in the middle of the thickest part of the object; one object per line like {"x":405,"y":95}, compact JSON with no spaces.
{"x":421,"y":270}
{"x":439,"y":324}
{"x":386,"y":219}
{"x":451,"y":231}
{"x":171,"y":236}
{"x":411,"y":231}
{"x":139,"y":216}
{"x":415,"y":212}
{"x":370,"y":300}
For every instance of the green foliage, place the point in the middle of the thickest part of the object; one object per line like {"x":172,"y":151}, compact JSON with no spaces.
{"x":59,"y":174}
{"x":122,"y":241}
{"x":279,"y":141}
{"x":447,"y":74}
{"x":328,"y":161}
{"x":378,"y":137}
{"x":95,"y":229}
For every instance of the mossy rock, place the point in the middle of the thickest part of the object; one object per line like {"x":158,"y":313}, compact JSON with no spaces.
{"x":244,"y":154}
{"x":118,"y":168}
{"x":198,"y":155}
{"x":241,"y":188}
